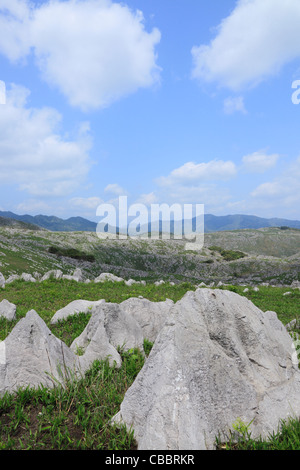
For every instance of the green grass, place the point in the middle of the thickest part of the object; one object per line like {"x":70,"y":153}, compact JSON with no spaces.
{"x":76,"y":417}
{"x":286,"y":438}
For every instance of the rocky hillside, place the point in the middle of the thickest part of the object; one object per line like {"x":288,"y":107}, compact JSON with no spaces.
{"x":241,"y":256}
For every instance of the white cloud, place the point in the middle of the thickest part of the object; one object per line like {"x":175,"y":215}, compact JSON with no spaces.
{"x":253,"y":43}
{"x":234,"y":104}
{"x":147,"y":199}
{"x":86,"y":202}
{"x":93,"y":51}
{"x":259,"y":162}
{"x":190,"y":171}
{"x":115,"y":189}
{"x":282,"y":193}
{"x":33,"y":154}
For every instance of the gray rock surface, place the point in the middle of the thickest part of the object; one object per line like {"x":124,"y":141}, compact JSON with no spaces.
{"x":75,"y":307}
{"x":217,"y":358}
{"x":12,"y":278}
{"x":108,"y":277}
{"x":27,"y":277}
{"x":8,"y":310}
{"x":150,"y":316}
{"x":2,"y":281}
{"x":55,"y":273}
{"x":34,"y":356}
{"x":109,"y":327}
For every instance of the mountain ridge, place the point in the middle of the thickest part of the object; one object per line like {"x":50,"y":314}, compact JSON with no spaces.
{"x":212,"y":223}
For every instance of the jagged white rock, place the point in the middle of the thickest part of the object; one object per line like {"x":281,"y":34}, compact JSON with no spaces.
{"x":110,"y":326}
{"x":55,"y":273}
{"x":217,"y":358}
{"x":108,"y":277}
{"x":33,"y":356}
{"x":150,"y":316}
{"x":75,"y":307}
{"x":2,"y":281}
{"x":8,"y":310}
{"x":27,"y":277}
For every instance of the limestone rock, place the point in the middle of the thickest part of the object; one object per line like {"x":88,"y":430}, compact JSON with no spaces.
{"x":34,"y":356}
{"x":76,"y":276}
{"x":150,"y":316}
{"x":2,"y":281}
{"x":108,"y":277}
{"x":28,"y":277}
{"x":75,"y":307}
{"x":109,"y":327}
{"x":12,"y":278}
{"x":7,"y":310}
{"x":217,"y":358}
{"x":55,"y":273}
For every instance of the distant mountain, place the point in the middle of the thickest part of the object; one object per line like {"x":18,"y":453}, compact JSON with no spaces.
{"x":55,"y":224}
{"x":215,"y":223}
{"x":212,"y":223}
{"x":9,"y":222}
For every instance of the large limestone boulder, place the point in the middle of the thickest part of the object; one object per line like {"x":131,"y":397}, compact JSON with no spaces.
{"x":32,"y":355}
{"x":109,"y":327}
{"x":7,"y":310}
{"x":150,"y":316}
{"x":217,"y":358}
{"x":75,"y":307}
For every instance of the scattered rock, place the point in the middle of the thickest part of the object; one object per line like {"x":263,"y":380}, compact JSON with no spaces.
{"x":12,"y":278}
{"x":246,"y":290}
{"x":217,"y":358}
{"x":28,"y":277}
{"x":75,"y":307}
{"x":54,"y":273}
{"x":108,"y":277}
{"x":2,"y":281}
{"x":159,"y":283}
{"x":7,"y":310}
{"x":286,"y":293}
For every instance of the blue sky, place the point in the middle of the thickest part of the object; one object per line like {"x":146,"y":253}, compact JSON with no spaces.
{"x":165,"y":101}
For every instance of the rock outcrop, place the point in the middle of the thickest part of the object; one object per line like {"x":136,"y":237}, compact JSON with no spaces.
{"x":75,"y":307}
{"x":217,"y":358}
{"x":109,"y":327}
{"x":7,"y":310}
{"x":34,"y":356}
{"x":151,"y":316}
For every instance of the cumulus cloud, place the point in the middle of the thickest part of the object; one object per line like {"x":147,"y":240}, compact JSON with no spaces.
{"x":282,"y":192}
{"x":253,"y":43}
{"x":93,"y":51}
{"x":259,"y":162}
{"x":86,"y":202}
{"x":115,"y":189}
{"x":190,"y":171}
{"x":33,"y":153}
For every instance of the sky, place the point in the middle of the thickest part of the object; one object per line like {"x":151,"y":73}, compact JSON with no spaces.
{"x":162,"y":101}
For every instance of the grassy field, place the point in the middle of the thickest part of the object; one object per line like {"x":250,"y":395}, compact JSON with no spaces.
{"x":78,"y":416}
